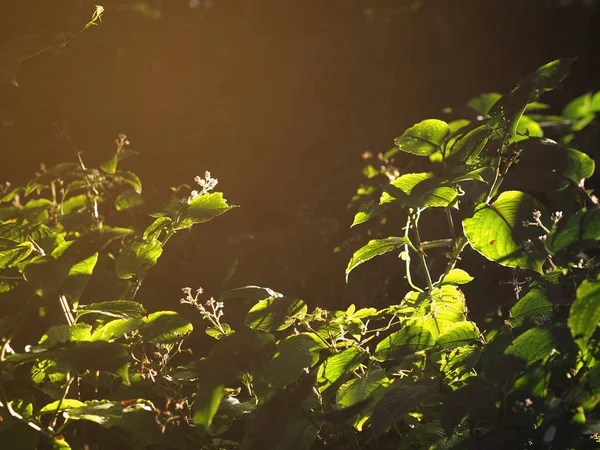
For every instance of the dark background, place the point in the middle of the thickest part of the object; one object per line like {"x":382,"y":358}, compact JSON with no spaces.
{"x":278,"y":99}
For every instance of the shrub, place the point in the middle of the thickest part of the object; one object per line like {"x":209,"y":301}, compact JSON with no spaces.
{"x":417,"y":374}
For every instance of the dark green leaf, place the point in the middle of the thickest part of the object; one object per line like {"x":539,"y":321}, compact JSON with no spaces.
{"x":292,"y":355}
{"x":585,"y":313}
{"x":507,"y":111}
{"x":78,"y":277}
{"x":533,"y":307}
{"x":206,"y":404}
{"x":128,"y":200}
{"x":137,"y":258}
{"x":544,"y":166}
{"x":400,"y":398}
{"x":468,"y":147}
{"x":275,"y":313}
{"x":106,"y":356}
{"x":584,"y":225}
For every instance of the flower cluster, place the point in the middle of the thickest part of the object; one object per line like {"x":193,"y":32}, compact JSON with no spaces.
{"x":211,"y":310}
{"x":207,"y":183}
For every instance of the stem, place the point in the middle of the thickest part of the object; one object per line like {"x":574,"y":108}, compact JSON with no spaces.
{"x":64,"y":304}
{"x":406,"y":252}
{"x":450,"y":223}
{"x":459,"y":246}
{"x":55,"y":415}
{"x":422,"y":254}
{"x":437,"y":243}
{"x":497,"y":178}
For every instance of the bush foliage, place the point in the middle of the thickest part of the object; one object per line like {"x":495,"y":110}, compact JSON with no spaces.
{"x":106,"y":373}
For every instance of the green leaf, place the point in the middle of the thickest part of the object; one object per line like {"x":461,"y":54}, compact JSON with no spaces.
{"x":534,"y":306}
{"x":459,"y":334}
{"x":154,"y":231}
{"x":216,"y":333}
{"x":366,"y":212}
{"x":579,"y":107}
{"x":11,"y":253}
{"x":248,"y":293}
{"x":585,"y":313}
{"x":115,"y":329}
{"x":204,"y":208}
{"x":58,"y":335}
{"x":419,"y":190}
{"x":118,"y":309}
{"x":275,"y":313}
{"x":358,"y":390}
{"x":206,"y":404}
{"x":339,"y":366}
{"x":73,"y":204}
{"x":457,"y":276}
{"x":534,"y":345}
{"x":78,"y":278}
{"x":131,"y":179}
{"x":426,"y":435}
{"x":482,"y":104}
{"x":423,"y":138}
{"x":137,"y":258}
{"x":482,"y":174}
{"x":374,"y":248}
{"x":527,"y":127}
{"x":136,"y":416}
{"x":439,"y":310}
{"x":104,"y":356}
{"x":128,"y":200}
{"x":165,"y":327}
{"x":406,"y":341}
{"x":110,"y":166}
{"x":293,"y":354}
{"x":584,"y":225}
{"x":497,"y":232}
{"x":61,"y":405}
{"x":468,"y":147}
{"x":507,"y":111}
{"x":400,"y":398}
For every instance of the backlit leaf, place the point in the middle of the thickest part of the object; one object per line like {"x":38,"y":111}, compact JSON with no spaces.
{"x":375,"y":248}
{"x":497,"y":232}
